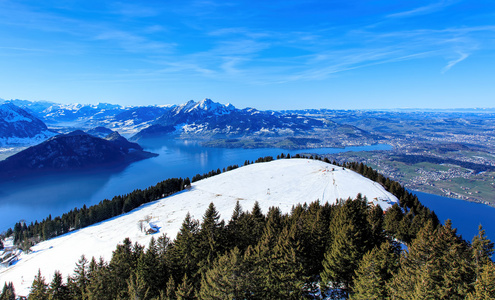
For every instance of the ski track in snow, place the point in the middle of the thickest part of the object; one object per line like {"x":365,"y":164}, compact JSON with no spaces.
{"x":283,"y":183}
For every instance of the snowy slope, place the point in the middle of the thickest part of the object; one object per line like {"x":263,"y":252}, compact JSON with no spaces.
{"x":281,"y":183}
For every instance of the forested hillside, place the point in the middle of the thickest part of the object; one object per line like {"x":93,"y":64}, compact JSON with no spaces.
{"x":349,"y":249}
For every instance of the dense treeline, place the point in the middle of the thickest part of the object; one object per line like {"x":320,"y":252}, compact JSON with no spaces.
{"x":350,"y":249}
{"x":343,"y":248}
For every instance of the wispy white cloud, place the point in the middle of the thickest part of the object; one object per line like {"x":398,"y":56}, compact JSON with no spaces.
{"x":423,"y":10}
{"x":451,"y":63}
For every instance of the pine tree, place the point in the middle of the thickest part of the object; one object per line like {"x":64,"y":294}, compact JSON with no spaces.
{"x":169,"y":290}
{"x":437,"y":266}
{"x":121,"y":265}
{"x":8,"y":292}
{"x":351,"y":239}
{"x":375,"y":218}
{"x":211,"y":236}
{"x":484,"y":287}
{"x":57,"y":289}
{"x":147,"y":269}
{"x":392,"y":220}
{"x":185,"y":290}
{"x":79,"y":281}
{"x":375,"y":269}
{"x":482,"y":250}
{"x":275,"y":271}
{"x":226,"y":279}
{"x":137,"y":289}
{"x":310,"y":225}
{"x":257,"y":221}
{"x":39,"y":288}
{"x":454,"y":262}
{"x":184,"y":252}
{"x":233,"y":231}
{"x":100,"y":284}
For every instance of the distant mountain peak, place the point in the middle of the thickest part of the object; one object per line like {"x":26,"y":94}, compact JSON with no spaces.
{"x":211,"y":106}
{"x":12,"y":113}
{"x":17,"y":126}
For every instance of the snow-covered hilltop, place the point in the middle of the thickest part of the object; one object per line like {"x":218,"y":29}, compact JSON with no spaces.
{"x":281,"y":183}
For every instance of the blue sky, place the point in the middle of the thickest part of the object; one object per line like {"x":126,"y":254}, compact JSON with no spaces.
{"x":264,"y":54}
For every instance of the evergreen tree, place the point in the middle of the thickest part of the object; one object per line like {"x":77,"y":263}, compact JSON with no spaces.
{"x":310,"y":225}
{"x":275,"y":272}
{"x":211,"y":236}
{"x":392,"y":219}
{"x":454,"y":263}
{"x":257,"y":220}
{"x":57,"y":289}
{"x":79,"y":280}
{"x":39,"y":288}
{"x":184,"y":252}
{"x":185,"y":290}
{"x":137,"y":289}
{"x":351,"y":239}
{"x":375,"y":269}
{"x":375,"y":218}
{"x":251,"y":227}
{"x":162,"y":246}
{"x":148,"y":269}
{"x":226,"y":279}
{"x":169,"y":290}
{"x":100,"y":284}
{"x":484,"y":287}
{"x":437,"y":266}
{"x":8,"y":292}
{"x":482,"y":250}
{"x":233,"y":231}
{"x":121,"y":265}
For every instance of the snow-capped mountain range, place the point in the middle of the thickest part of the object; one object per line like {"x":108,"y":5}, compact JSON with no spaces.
{"x":204,"y":120}
{"x":210,"y":120}
{"x":281,"y":183}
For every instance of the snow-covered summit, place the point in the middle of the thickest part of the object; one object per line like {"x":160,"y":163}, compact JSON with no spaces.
{"x":215,"y":107}
{"x":281,"y":183}
{"x":204,"y":106}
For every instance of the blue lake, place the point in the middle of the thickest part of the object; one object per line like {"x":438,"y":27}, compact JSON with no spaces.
{"x":466,"y":216}
{"x":35,"y":199}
